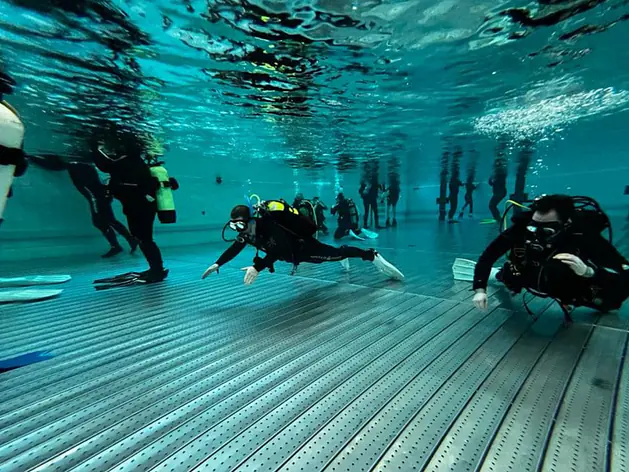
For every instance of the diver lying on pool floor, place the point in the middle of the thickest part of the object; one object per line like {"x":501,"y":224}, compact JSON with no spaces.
{"x":557,"y":250}
{"x":284,"y":235}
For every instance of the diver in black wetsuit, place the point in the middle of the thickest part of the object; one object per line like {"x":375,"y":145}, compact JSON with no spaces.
{"x":469,"y":198}
{"x":86,"y":180}
{"x":347,"y":217}
{"x":132,"y":184}
{"x":556,"y":250}
{"x":454,"y":186}
{"x":498,"y":182}
{"x":319,"y":208}
{"x":287,"y":237}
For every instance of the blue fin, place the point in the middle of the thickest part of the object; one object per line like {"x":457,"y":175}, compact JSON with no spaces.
{"x":24,"y":360}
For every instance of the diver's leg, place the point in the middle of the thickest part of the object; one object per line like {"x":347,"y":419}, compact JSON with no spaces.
{"x":493,"y":207}
{"x":374,"y":206}
{"x":141,"y":216}
{"x":100,"y":222}
{"x":105,"y":209}
{"x":317,"y":252}
{"x":454,"y":203}
{"x":341,"y":232}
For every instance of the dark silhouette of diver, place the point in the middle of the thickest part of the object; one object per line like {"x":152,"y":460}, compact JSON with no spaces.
{"x":393,"y":197}
{"x":132,"y":184}
{"x":320,"y":207}
{"x":87,"y":181}
{"x":85,"y":178}
{"x":347,"y":217}
{"x":284,"y":235}
{"x":498,"y":181}
{"x":454,"y":187}
{"x":469,"y":198}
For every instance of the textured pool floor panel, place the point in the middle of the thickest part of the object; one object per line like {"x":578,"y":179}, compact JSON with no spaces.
{"x":325,"y":370}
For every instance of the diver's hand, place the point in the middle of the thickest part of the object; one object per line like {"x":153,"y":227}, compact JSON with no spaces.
{"x":210,"y":270}
{"x":480,"y":299}
{"x":576,"y":264}
{"x":251,"y":274}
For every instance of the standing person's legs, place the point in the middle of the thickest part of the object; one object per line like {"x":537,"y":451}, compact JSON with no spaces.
{"x":141,"y":216}
{"x":374,"y":206}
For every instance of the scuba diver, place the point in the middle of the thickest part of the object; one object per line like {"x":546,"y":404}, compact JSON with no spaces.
{"x":319,"y":208}
{"x":87,"y":181}
{"x":498,"y":181}
{"x":85,"y":178}
{"x":469,"y":198}
{"x":454,"y":187}
{"x":393,"y":197}
{"x":136,"y":186}
{"x":556,"y":250}
{"x":349,"y":220}
{"x":299,"y":198}
{"x":284,"y":235}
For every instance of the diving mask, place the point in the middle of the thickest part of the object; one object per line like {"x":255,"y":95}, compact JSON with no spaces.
{"x":239,"y":225}
{"x":544,"y":234}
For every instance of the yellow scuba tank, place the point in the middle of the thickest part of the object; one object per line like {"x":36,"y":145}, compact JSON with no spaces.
{"x":166,"y":211}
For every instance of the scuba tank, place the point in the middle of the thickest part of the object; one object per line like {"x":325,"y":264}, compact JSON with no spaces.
{"x":353,"y":213}
{"x":166,"y":211}
{"x":287,"y":217}
{"x":12,"y":159}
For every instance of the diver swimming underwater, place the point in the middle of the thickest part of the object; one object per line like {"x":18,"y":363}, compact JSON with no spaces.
{"x":556,"y":250}
{"x":277,"y":229}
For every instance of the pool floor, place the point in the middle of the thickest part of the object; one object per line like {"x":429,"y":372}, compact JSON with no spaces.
{"x":323,"y":370}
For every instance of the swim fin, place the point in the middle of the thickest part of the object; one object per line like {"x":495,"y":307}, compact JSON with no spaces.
{"x":24,"y":360}
{"x":27,"y":295}
{"x":118,"y":278}
{"x":369,"y":234}
{"x":355,"y":236}
{"x":463,"y":270}
{"x":34,"y":280}
{"x":130,"y":278}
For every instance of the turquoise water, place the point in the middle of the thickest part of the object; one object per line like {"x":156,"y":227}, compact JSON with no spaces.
{"x":298,"y":96}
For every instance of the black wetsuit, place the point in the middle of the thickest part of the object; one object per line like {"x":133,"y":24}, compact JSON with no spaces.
{"x":455,"y":187}
{"x":345,"y":223}
{"x":499,"y":185}
{"x":86,"y":180}
{"x":525,"y":269}
{"x":132,"y":184}
{"x":281,"y":245}
{"x":319,"y":209}
{"x":469,"y":197}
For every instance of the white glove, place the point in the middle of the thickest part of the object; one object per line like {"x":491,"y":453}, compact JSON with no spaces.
{"x":213,"y":268}
{"x":251,"y":274}
{"x":480,"y":300}
{"x":576,"y":264}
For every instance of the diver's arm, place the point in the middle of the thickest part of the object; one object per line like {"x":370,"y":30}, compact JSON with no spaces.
{"x":488,"y":258}
{"x":232,"y":251}
{"x":266,"y":262}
